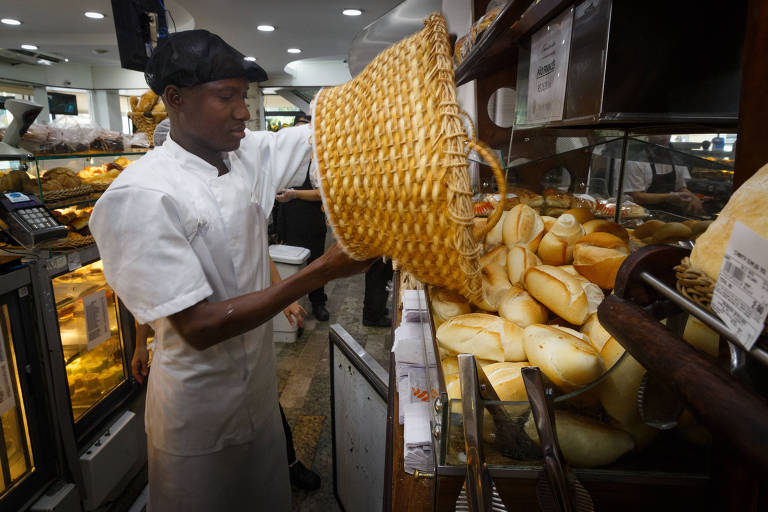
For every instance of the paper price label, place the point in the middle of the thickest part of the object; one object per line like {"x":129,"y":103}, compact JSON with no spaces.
{"x":96,"y":318}
{"x":741,"y":294}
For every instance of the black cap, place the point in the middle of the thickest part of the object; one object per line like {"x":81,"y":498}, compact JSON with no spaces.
{"x":195,"y":57}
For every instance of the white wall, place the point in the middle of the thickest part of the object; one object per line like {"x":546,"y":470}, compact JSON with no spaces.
{"x":311,"y":73}
{"x":76,"y":76}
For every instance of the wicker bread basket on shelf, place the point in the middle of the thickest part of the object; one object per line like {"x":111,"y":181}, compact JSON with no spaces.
{"x":391,"y":152}
{"x":146,"y":124}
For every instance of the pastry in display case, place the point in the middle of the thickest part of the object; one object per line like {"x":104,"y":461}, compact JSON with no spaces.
{"x":88,"y":316}
{"x":15,"y":451}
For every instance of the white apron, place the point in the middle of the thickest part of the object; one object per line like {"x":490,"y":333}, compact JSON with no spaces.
{"x":171,"y":233}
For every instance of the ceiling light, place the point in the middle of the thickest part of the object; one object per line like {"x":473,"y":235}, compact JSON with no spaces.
{"x":265,"y":28}
{"x":94,"y":15}
{"x":44,"y":62}
{"x":351,"y":12}
{"x":66,"y":60}
{"x":10,"y":21}
{"x":29,"y":47}
{"x":294,"y":50}
{"x":250,"y":59}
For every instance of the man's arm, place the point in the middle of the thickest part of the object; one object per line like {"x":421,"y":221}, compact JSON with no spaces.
{"x":294,"y":312}
{"x":305,"y":195}
{"x":208,"y":323}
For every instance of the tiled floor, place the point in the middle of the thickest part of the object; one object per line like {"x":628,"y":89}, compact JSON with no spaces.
{"x":304,"y":383}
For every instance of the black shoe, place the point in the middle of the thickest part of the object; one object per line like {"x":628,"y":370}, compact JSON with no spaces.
{"x":384,"y":321}
{"x":319,"y":311}
{"x":303,"y":477}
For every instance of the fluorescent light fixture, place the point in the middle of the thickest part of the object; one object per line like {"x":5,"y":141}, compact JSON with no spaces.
{"x":294,"y":50}
{"x":265,"y":28}
{"x":351,"y":12}
{"x":44,"y":62}
{"x":10,"y":21}
{"x":31,"y":47}
{"x":94,"y":15}
{"x":250,"y":59}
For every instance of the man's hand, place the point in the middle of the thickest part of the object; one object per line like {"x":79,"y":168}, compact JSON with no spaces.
{"x":285,"y":195}
{"x":295,"y":314}
{"x":338,"y":264}
{"x":139,"y":368}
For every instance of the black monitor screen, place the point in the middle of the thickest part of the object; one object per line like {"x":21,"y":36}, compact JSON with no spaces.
{"x":134,"y":20}
{"x":62,"y":103}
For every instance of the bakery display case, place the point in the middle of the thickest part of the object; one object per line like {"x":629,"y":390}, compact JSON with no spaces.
{"x":27,"y":436}
{"x":88,"y":315}
{"x":90,"y":334}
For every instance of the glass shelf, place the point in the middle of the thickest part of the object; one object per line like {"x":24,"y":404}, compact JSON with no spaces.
{"x":88,"y":154}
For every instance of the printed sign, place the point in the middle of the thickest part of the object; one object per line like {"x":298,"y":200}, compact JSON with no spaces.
{"x":96,"y":318}
{"x":741,"y":294}
{"x":550,"y":49}
{"x":7,"y":398}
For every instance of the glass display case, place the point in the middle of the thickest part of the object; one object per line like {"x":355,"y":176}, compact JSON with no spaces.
{"x":91,"y":340}
{"x":27,"y":453}
{"x":627,"y":176}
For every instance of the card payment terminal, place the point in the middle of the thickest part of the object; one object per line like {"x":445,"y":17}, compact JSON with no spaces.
{"x":29,"y":222}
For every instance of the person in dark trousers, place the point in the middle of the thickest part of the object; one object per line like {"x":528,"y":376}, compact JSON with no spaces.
{"x":375,"y":312}
{"x":301,"y":222}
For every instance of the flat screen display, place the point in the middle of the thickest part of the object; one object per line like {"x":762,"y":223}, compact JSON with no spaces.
{"x":60,"y":103}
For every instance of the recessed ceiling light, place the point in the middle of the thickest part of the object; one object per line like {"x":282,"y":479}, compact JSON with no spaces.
{"x":10,"y":21}
{"x":251,"y":59}
{"x":95,"y":15}
{"x":351,"y":12}
{"x":66,"y":60}
{"x":265,"y":28}
{"x":294,"y":50}
{"x":29,"y":47}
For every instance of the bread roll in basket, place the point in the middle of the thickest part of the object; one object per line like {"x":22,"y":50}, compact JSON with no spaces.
{"x":391,"y":154}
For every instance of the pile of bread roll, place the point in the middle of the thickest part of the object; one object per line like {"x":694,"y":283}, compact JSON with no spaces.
{"x":543,"y":279}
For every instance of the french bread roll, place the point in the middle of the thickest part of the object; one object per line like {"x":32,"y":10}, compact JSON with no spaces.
{"x":698,"y":335}
{"x":647,"y":229}
{"x":556,"y":247}
{"x":548,"y":222}
{"x":598,"y":256}
{"x":453,"y":387}
{"x":520,"y":259}
{"x":581,"y":215}
{"x":597,"y":335}
{"x":447,"y":304}
{"x":671,"y":232}
{"x":563,"y":355}
{"x":559,"y":291}
{"x":498,"y":256}
{"x":522,"y":226}
{"x":606,"y":226}
{"x":451,"y":364}
{"x":494,"y":237}
{"x":519,"y":307}
{"x":486,"y":336}
{"x":554,"y":211}
{"x":618,"y":391}
{"x":594,"y":293}
{"x":585,"y":443}
{"x":507,"y":380}
{"x":495,"y":285}
{"x":748,"y":206}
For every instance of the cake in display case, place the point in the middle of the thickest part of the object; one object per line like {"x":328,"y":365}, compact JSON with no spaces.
{"x":89,"y":319}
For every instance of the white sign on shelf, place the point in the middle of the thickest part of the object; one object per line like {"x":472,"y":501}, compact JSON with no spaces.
{"x":547,"y":75}
{"x":741,"y":293}
{"x":7,"y":398}
{"x":96,"y":318}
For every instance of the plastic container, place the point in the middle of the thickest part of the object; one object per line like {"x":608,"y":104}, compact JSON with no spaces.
{"x":288,"y":260}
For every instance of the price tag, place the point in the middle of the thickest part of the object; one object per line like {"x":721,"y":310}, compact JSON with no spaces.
{"x":741,"y":294}
{"x":73,"y":261}
{"x":96,"y":318}
{"x":548,"y":72}
{"x":7,"y":398}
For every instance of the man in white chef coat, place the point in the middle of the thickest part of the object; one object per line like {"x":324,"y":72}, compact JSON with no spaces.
{"x":182,"y":234}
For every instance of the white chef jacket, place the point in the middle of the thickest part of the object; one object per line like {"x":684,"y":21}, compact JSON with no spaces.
{"x":172,"y":232}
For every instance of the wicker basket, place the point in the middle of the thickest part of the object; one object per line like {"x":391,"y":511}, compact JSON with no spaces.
{"x":68,"y":243}
{"x":391,"y":153}
{"x":147,"y":124}
{"x":66,"y":194}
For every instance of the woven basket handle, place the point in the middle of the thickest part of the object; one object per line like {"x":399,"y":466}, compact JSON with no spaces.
{"x":493,"y":162}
